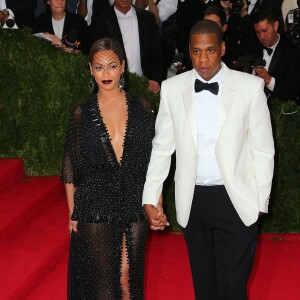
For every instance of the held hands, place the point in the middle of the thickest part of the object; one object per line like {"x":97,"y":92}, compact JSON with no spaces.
{"x":263,"y":73}
{"x":156,"y":217}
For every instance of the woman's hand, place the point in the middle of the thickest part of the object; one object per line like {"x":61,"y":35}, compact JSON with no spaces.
{"x":73,"y":226}
{"x":156,"y":219}
{"x":55,"y":40}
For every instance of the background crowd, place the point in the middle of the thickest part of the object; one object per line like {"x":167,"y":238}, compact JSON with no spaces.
{"x":155,"y":34}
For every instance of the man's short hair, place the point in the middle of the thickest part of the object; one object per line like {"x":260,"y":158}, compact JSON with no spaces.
{"x":265,"y":13}
{"x":218,"y":11}
{"x":207,"y":27}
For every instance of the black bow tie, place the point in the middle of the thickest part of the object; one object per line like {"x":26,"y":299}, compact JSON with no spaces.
{"x":269,"y":50}
{"x":212,"y":87}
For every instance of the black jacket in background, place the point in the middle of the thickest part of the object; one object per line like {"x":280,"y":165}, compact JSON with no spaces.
{"x":285,"y":68}
{"x":23,"y":11}
{"x":106,"y":25}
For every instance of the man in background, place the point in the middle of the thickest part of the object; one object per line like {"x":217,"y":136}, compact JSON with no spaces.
{"x":136,"y":30}
{"x":282,"y":71}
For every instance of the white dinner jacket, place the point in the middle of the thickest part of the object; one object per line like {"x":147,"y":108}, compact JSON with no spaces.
{"x":244,"y":149}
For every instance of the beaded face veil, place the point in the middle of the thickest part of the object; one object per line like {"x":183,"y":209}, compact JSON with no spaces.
{"x":107,"y":70}
{"x":107,"y":64}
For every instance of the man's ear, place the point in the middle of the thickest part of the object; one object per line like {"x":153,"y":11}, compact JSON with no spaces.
{"x":223,"y":48}
{"x":276,"y":25}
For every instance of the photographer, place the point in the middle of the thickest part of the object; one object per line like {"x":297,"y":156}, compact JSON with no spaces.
{"x":282,"y":70}
{"x":21,"y":11}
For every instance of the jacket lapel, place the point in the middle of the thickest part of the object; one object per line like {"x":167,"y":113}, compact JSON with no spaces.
{"x":276,"y":56}
{"x":189,"y":105}
{"x":143,"y":34}
{"x":228,"y":95}
{"x":114,"y":28}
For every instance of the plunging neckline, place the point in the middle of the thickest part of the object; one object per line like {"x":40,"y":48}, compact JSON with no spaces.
{"x":119,"y":162}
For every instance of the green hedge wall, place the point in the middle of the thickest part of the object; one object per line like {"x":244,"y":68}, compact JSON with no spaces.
{"x":40,"y":84}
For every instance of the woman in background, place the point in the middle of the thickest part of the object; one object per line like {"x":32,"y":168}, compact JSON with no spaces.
{"x":66,"y":31}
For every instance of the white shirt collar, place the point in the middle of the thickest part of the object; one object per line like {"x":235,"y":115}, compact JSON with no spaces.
{"x":275,"y":45}
{"x":131,"y":13}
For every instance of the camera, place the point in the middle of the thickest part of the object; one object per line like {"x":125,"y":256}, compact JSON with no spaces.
{"x":237,"y":5}
{"x":247,"y":63}
{"x":292,"y":23}
{"x":10,"y":22}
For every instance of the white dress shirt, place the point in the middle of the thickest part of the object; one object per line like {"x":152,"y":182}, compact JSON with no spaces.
{"x":130,"y":34}
{"x":268,"y":59}
{"x":251,"y":6}
{"x":58,"y":27}
{"x":3,"y":7}
{"x":3,"y":4}
{"x":166,"y":8}
{"x":88,"y":17}
{"x":207,"y":107}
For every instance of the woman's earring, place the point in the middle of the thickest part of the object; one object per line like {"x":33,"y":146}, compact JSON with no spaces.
{"x":121,"y":83}
{"x":92,"y":84}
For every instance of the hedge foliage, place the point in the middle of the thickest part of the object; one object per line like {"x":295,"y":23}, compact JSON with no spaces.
{"x":39,"y":85}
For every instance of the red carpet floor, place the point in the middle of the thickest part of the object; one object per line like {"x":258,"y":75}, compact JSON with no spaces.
{"x":34,"y":246}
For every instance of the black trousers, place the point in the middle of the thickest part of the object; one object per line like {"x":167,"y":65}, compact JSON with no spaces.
{"x":221,"y":248}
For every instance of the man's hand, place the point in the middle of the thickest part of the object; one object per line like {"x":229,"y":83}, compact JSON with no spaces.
{"x":244,"y":10}
{"x":153,"y":86}
{"x":263,"y":73}
{"x":3,"y":17}
{"x":156,"y":217}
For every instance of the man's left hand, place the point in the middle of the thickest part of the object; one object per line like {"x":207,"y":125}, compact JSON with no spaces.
{"x":263,"y":73}
{"x":157,"y":219}
{"x":3,"y":17}
{"x":154,"y":86}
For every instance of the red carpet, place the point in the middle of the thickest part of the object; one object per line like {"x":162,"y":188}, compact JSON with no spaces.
{"x":34,"y":243}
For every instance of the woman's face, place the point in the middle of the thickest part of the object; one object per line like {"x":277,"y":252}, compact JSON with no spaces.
{"x":57,"y":6}
{"x":107,"y":69}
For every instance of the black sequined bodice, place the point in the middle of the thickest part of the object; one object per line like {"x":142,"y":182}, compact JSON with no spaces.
{"x":108,"y":190}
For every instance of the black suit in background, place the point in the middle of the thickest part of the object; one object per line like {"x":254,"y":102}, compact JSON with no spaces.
{"x":99,"y":7}
{"x":23,"y":11}
{"x":285,"y":68}
{"x":106,"y":25}
{"x":240,"y":39}
{"x":72,"y":22}
{"x":188,"y":13}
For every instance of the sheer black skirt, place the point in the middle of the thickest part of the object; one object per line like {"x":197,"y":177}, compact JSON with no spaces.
{"x":95,"y":260}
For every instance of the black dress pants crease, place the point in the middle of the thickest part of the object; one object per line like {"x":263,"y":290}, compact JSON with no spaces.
{"x":221,"y":247}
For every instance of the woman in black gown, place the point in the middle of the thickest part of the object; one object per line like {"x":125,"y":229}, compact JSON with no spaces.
{"x":107,"y":150}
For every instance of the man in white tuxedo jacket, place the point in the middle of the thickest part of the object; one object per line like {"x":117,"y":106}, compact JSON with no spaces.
{"x":218,"y":122}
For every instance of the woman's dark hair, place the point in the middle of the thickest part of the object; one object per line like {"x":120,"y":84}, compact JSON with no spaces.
{"x":107,"y":44}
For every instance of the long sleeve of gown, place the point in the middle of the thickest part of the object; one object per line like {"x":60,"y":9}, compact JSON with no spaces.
{"x":73,"y":144}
